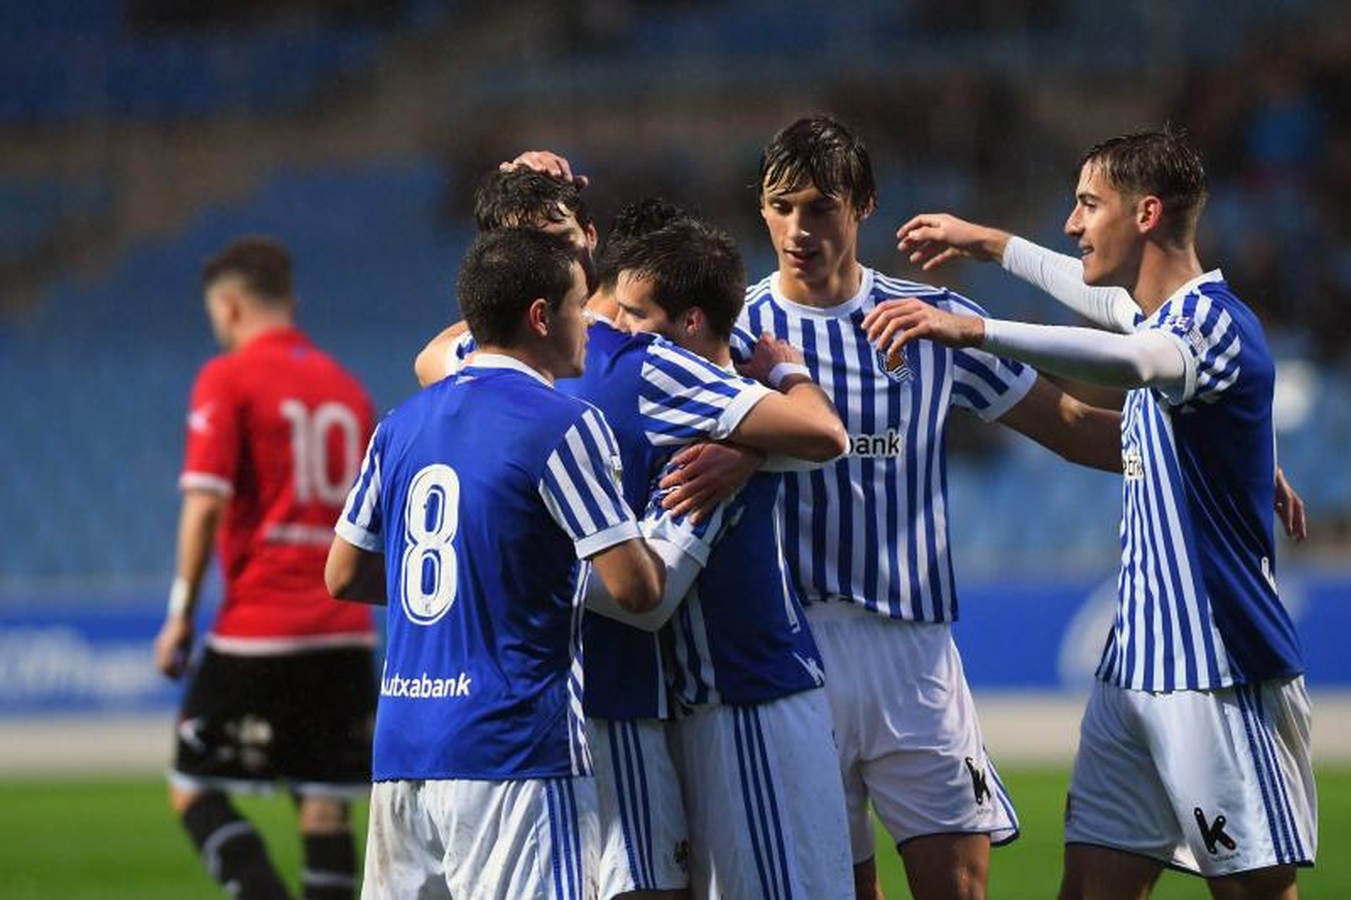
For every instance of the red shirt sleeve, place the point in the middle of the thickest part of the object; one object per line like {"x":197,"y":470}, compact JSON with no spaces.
{"x":212,"y":457}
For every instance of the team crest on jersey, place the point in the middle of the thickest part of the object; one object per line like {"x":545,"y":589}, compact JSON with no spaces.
{"x":897,"y":367}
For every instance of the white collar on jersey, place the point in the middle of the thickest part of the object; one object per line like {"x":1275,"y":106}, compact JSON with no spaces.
{"x":1189,"y":287}
{"x":838,"y":311}
{"x":483,"y":360}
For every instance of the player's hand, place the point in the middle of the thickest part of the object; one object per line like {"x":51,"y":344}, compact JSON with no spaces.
{"x":767,"y":353}
{"x":173,"y":646}
{"x":703,"y":475}
{"x":894,"y":323}
{"x":1290,"y":509}
{"x":549,"y":163}
{"x":932,"y":239}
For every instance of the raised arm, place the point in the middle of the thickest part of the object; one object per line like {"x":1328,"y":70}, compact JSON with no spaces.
{"x":430,"y":365}
{"x":932,"y":239}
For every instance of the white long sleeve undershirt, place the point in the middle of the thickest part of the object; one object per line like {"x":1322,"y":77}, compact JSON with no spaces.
{"x":1062,"y":277}
{"x":1143,"y":359}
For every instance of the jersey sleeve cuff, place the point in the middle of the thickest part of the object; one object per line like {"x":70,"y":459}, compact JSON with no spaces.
{"x":205,"y":481}
{"x":592,"y":544}
{"x":1013,"y":394}
{"x":1174,"y":398}
{"x":741,"y":405}
{"x":359,"y":537}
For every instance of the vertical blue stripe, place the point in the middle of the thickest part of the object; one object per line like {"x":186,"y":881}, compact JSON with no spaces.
{"x":818,"y":482}
{"x":844,"y":519}
{"x":556,"y":843}
{"x":1277,"y":775}
{"x":894,"y":538}
{"x":916,"y":594}
{"x":1275,"y":828}
{"x":868,"y":474}
{"x":937,"y":601}
{"x":772,"y":793}
{"x":742,"y":764}
{"x":617,"y":765}
{"x":643,"y":802}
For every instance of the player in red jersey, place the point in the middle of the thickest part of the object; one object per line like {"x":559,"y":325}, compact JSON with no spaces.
{"x":285,"y":687}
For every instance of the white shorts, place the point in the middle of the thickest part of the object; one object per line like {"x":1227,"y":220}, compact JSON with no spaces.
{"x":907,"y":731}
{"x":764,"y":800}
{"x":533,"y":839}
{"x":644,"y":843}
{"x":1214,"y":782}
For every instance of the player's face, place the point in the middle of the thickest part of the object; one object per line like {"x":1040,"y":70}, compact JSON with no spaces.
{"x":1104,"y":222}
{"x":567,"y":328}
{"x":638,"y":312}
{"x":583,"y":238}
{"x":815,"y":235}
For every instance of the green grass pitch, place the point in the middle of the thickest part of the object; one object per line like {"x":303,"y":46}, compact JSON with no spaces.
{"x":114,"y":840}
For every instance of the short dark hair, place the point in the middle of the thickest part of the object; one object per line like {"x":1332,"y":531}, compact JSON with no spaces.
{"x":260,"y":262}
{"x":633,"y":221}
{"x":691,"y":263}
{"x":504,"y":271}
{"x":822,"y":152}
{"x":524,"y":197}
{"x":1160,"y":163}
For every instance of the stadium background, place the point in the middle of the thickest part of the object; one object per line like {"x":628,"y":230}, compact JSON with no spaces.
{"x":137,"y":136}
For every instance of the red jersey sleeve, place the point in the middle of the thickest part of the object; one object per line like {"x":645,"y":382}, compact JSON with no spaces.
{"x":212,"y":457}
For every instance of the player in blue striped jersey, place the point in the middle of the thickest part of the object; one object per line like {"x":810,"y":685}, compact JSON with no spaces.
{"x":867,"y":537}
{"x":752,"y":738}
{"x":1194,"y":749}
{"x":475,"y":503}
{"x":657,"y":397}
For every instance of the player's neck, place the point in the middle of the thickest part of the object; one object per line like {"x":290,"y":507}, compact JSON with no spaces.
{"x":832,"y":290}
{"x":1163,"y":270}
{"x":250,"y":330}
{"x":524,"y":355}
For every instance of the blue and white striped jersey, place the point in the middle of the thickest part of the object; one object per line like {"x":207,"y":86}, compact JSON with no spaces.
{"x":1197,"y":600}
{"x":872,"y":528}
{"x":483,"y":492}
{"x":657,"y":397}
{"x":740,"y":636}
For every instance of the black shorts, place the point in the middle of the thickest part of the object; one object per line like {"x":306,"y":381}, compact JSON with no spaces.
{"x":304,"y":718}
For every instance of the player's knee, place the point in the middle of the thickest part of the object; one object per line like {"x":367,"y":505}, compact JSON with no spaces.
{"x":180,"y":799}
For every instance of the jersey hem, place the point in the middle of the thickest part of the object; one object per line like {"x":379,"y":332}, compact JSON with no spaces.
{"x":234,"y":645}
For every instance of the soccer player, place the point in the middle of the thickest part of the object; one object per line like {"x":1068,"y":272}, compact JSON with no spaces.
{"x":752,"y":734}
{"x":509,"y":199}
{"x":656,"y":397}
{"x":285,"y":687}
{"x":867,"y":538}
{"x":1194,"y":748}
{"x":933,"y":239}
{"x":477,"y":499}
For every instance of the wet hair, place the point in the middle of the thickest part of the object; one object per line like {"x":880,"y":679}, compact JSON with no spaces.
{"x":504,"y":272}
{"x":633,"y":220}
{"x":690,"y":263}
{"x":526,"y":198}
{"x":262,"y":264}
{"x":1156,"y":163}
{"x":821,"y":152}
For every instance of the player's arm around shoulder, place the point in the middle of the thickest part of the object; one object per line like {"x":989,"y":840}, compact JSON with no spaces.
{"x":431,"y":363}
{"x":796,"y":418}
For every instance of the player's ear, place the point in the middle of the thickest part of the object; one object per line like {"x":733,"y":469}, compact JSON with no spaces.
{"x":537,"y":317}
{"x":1148,"y":213}
{"x":695,"y":320}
